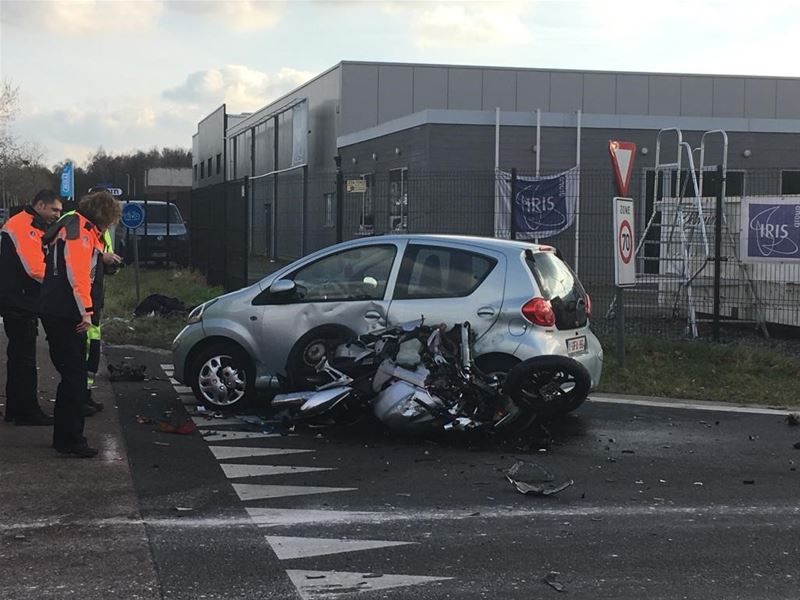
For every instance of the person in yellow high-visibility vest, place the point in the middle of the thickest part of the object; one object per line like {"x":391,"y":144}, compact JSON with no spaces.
{"x":111,"y":264}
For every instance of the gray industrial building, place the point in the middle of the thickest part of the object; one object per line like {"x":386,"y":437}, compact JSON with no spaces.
{"x":423,"y":139}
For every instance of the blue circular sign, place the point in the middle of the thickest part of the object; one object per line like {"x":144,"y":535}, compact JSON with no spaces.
{"x":132,"y":215}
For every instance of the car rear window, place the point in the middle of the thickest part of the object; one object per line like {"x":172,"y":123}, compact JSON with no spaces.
{"x":157,"y":213}
{"x":558,"y":284}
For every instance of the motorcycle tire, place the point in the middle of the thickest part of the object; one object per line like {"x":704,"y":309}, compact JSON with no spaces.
{"x":548,"y":386}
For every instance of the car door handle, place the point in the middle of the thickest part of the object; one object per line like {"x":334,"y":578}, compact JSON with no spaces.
{"x":372,"y":315}
{"x":486,"y":312}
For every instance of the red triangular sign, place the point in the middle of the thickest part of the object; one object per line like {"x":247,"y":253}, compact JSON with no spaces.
{"x":622,"y":155}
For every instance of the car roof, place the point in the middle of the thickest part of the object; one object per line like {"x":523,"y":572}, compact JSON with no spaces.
{"x":485,"y":242}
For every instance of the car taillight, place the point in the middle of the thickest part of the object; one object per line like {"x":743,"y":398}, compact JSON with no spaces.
{"x":588,"y":306}
{"x":539,"y":312}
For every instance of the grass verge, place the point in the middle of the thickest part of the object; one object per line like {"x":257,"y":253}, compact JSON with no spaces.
{"x":119,"y":324}
{"x":696,"y":370}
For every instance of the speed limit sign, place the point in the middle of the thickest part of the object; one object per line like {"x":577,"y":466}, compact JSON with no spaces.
{"x":624,"y":243}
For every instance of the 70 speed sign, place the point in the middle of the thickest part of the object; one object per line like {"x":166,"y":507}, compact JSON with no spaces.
{"x":624,"y":243}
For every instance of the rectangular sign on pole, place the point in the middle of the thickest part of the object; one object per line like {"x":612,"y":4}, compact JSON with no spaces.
{"x":624,"y":243}
{"x":67,"y":180}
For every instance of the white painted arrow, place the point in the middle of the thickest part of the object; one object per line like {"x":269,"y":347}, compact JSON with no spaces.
{"x":226,"y":452}
{"x":327,"y":584}
{"x":237,"y":471}
{"x":224,"y":436}
{"x":253,"y":491}
{"x":287,"y":548}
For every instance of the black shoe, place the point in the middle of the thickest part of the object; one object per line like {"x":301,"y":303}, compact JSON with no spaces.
{"x":88,"y":410}
{"x":79,"y":450}
{"x":40,"y":419}
{"x":97,"y":406}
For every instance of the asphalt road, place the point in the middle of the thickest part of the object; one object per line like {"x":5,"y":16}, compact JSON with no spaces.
{"x":666,"y":503}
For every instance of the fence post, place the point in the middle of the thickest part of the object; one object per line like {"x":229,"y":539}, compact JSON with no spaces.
{"x":339,"y":199}
{"x":246,"y":252}
{"x":513,"y":203}
{"x":167,"y":238}
{"x":718,"y":249}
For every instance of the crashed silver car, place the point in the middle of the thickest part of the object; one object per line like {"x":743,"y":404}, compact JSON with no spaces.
{"x":520,"y":298}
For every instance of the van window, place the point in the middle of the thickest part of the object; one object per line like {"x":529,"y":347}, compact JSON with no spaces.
{"x":157,"y":213}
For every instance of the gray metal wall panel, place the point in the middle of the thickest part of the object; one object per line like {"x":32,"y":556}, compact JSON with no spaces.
{"x":430,"y":88}
{"x":633,"y":95}
{"x":464,"y":89}
{"x":759,"y":98}
{"x":664,"y":95}
{"x":210,"y":142}
{"x":533,"y":91}
{"x":395,"y":92}
{"x":788,"y":100}
{"x":599,"y":93}
{"x":359,"y":106}
{"x":728,"y":97}
{"x":499,"y":89}
{"x":697,"y":96}
{"x":566,"y":92}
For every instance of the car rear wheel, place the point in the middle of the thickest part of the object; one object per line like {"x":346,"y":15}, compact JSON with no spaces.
{"x":548,"y":385}
{"x":222,"y":377}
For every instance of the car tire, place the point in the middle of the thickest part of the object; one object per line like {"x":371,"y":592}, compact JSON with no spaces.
{"x":533,"y":383}
{"x":311,"y":348}
{"x":222,"y":376}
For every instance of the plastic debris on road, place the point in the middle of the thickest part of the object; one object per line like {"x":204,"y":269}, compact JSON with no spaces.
{"x":793,"y":419}
{"x":530,"y":478}
{"x":551,"y":579}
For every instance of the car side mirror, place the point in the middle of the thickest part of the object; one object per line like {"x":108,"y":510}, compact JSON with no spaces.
{"x":282,"y":287}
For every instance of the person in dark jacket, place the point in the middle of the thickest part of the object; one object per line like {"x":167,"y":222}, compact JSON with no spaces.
{"x":71,"y":287}
{"x":21,"y":274}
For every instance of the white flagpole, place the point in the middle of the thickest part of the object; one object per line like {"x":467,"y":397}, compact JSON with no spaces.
{"x":538,"y":139}
{"x":578,"y":199}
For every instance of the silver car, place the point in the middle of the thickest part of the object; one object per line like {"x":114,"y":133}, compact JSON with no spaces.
{"x":521,"y":299}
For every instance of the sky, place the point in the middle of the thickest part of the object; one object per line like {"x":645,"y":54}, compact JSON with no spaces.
{"x":127,"y":75}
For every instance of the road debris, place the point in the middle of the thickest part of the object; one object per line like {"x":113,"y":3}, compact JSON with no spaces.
{"x":793,"y":419}
{"x":125,"y":372}
{"x":530,"y":478}
{"x":551,"y":579}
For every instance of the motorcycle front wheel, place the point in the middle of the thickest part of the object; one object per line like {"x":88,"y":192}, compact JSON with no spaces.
{"x":548,"y":385}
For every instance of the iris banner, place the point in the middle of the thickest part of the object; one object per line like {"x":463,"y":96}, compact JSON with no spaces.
{"x":543,"y":207}
{"x":770,"y":229}
{"x":67,"y":180}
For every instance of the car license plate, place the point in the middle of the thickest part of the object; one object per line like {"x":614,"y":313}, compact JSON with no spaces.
{"x":576,"y":345}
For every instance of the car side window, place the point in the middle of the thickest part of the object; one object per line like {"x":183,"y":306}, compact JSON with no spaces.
{"x":356,"y":274}
{"x":439,"y":272}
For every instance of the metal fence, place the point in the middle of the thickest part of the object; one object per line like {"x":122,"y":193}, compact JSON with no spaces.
{"x":689,"y":270}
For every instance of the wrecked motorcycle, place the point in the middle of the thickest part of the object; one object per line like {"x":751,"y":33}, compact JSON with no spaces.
{"x":421,"y":379}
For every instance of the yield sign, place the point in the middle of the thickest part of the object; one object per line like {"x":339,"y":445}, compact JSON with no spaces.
{"x":622,"y":154}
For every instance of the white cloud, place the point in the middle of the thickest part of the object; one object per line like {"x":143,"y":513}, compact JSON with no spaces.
{"x":82,"y":17}
{"x":242,"y":88}
{"x":242,"y":15}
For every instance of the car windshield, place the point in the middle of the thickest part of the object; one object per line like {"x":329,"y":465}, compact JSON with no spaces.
{"x":157,"y":213}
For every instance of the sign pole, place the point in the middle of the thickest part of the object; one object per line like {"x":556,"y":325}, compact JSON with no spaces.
{"x":136,"y":264}
{"x":620,"y":321}
{"x":132,"y":217}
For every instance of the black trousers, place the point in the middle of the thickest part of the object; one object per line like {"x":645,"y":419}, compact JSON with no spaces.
{"x":21,"y":381}
{"x":68,"y":353}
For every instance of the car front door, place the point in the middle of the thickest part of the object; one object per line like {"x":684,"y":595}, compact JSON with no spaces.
{"x":449,"y":284}
{"x":334,"y":297}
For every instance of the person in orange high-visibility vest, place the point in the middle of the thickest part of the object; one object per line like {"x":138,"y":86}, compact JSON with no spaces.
{"x":73,"y":276}
{"x":21,"y":274}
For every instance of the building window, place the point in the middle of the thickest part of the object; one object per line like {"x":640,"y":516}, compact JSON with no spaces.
{"x":398,"y":199}
{"x":219,"y":164}
{"x":202,"y":170}
{"x":367,"y":224}
{"x":209,"y":167}
{"x":330,"y":210}
{"x":195,"y":172}
{"x":790,"y":182}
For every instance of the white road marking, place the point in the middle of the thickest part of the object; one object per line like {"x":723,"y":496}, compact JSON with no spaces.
{"x":238,"y":471}
{"x":288,"y":548}
{"x":280,"y":517}
{"x":212,"y":423}
{"x":188,"y":400}
{"x":226,"y":436}
{"x":254,"y":491}
{"x":313,"y":585}
{"x":710,"y":406}
{"x":172,"y":380}
{"x":166,"y":366}
{"x":227,"y":452}
{"x":182,"y":389}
